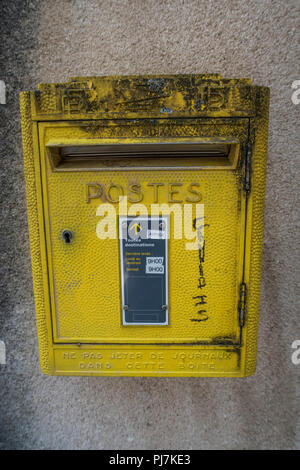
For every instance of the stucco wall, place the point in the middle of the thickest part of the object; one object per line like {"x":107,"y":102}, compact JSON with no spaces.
{"x":44,"y":41}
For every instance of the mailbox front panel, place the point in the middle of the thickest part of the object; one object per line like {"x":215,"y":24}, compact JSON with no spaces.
{"x":85,"y":274}
{"x":105,"y":171}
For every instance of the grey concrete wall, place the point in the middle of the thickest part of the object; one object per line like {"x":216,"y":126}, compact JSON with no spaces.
{"x":44,"y":41}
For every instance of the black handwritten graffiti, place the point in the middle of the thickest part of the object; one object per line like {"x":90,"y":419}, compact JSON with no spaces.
{"x":198,"y":225}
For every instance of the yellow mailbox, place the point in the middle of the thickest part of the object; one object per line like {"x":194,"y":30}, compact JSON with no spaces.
{"x":145,"y":207}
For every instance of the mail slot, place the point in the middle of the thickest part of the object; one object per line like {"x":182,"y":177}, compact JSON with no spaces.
{"x":145,"y":200}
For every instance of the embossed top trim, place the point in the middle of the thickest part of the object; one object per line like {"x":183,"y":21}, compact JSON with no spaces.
{"x":149,"y":96}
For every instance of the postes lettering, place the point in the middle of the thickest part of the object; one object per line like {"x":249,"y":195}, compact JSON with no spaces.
{"x":172,"y":192}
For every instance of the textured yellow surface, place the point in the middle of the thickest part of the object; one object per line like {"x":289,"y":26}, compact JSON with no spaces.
{"x":255,"y":229}
{"x":83,"y":279}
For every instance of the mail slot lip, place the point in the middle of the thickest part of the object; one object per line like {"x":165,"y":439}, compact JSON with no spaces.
{"x":147,"y":148}
{"x":142,"y":154}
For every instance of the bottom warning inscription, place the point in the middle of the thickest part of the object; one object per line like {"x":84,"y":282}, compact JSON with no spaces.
{"x":147,"y":362}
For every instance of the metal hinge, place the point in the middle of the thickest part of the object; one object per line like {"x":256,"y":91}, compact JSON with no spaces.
{"x":247,"y":152}
{"x":242,"y":304}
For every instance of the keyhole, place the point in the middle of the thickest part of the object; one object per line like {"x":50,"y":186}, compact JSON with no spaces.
{"x":67,"y":235}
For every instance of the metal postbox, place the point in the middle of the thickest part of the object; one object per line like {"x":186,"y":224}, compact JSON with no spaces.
{"x":145,"y":206}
